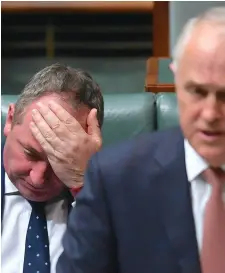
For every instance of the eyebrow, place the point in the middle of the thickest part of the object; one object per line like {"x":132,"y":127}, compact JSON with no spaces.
{"x":32,"y":150}
{"x":192,"y":84}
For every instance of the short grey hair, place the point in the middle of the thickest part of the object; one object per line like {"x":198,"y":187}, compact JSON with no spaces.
{"x":61,"y":79}
{"x":215,"y":15}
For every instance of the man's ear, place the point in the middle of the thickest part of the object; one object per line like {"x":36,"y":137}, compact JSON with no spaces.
{"x":172,"y":67}
{"x":9,"y":119}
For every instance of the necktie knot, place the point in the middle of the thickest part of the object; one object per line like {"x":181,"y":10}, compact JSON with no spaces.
{"x":215,"y":177}
{"x":37,"y":205}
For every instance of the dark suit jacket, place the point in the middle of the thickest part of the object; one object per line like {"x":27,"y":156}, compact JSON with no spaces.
{"x":134,"y":214}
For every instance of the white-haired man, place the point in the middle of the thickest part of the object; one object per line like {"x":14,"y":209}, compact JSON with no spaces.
{"x":156,"y":204}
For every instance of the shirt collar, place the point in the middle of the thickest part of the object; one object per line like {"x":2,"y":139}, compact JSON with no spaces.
{"x":195,"y":164}
{"x":9,"y":187}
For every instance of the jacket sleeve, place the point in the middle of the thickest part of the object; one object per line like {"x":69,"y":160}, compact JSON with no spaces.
{"x":89,"y":244}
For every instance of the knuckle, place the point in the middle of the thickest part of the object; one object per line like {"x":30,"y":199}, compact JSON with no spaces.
{"x":56,"y":125}
{"x":56,"y":151}
{"x":57,"y":156}
{"x":47,"y":135}
{"x":68,"y":120}
{"x":74,"y":148}
{"x":42,"y":142}
{"x":39,"y":137}
{"x":45,"y":111}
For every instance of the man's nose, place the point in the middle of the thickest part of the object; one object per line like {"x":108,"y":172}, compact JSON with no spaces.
{"x":38,"y":173}
{"x":211,"y":111}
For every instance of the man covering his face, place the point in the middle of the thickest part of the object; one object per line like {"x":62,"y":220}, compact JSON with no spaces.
{"x":51,"y":132}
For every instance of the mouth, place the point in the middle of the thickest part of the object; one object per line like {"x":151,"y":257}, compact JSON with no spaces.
{"x":211,"y":135}
{"x":31,"y":187}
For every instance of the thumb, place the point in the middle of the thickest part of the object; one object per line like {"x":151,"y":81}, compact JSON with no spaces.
{"x":93,"y":127}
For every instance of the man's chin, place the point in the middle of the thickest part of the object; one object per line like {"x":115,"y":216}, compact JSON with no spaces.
{"x":35,"y":195}
{"x":214,"y":157}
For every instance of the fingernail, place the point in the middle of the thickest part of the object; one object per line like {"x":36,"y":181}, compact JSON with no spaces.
{"x":34,"y":111}
{"x":40,"y":104}
{"x":32,"y":124}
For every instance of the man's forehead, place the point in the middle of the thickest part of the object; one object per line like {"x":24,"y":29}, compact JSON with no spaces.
{"x":79,"y":113}
{"x":62,"y":100}
{"x":206,"y":43}
{"x":203,"y":59}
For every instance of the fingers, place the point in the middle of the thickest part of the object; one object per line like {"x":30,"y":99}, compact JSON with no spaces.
{"x":57,"y":128}
{"x":68,"y":120}
{"x":52,"y":120}
{"x":40,"y":138}
{"x":43,"y":133}
{"x":59,"y":120}
{"x":94,"y":129}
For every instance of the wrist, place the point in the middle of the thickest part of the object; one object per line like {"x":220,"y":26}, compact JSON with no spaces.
{"x":75,"y":190}
{"x":76,"y":184}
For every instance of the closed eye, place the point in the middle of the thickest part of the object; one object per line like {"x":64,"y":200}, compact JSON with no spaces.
{"x":31,"y":155}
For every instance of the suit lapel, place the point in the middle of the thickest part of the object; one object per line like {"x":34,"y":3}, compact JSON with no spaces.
{"x":175,"y":204}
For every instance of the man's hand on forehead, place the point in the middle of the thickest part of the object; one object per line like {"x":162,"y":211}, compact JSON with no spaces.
{"x":66,"y":144}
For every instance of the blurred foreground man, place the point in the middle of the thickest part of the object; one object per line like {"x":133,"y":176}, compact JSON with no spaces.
{"x":51,"y":132}
{"x":156,"y":204}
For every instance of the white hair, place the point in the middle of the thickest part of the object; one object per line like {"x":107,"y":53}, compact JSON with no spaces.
{"x":215,"y":15}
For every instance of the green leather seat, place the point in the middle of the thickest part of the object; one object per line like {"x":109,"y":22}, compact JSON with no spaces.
{"x":126,"y":115}
{"x":166,"y":111}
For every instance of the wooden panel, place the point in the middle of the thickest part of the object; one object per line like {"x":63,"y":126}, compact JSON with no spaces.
{"x":160,"y":88}
{"x":161,"y":29}
{"x":151,"y":80}
{"x":152,"y":71}
{"x":92,"y":6}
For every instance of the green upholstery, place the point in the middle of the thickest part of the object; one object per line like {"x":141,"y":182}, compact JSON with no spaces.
{"x":166,"y":110}
{"x":126,"y":115}
{"x":165,"y":75}
{"x":120,"y":75}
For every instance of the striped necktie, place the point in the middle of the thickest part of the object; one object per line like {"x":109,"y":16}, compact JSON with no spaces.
{"x":213,"y":248}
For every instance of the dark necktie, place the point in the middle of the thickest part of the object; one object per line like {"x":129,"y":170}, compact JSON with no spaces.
{"x":213,"y":248}
{"x":36,"y":258}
